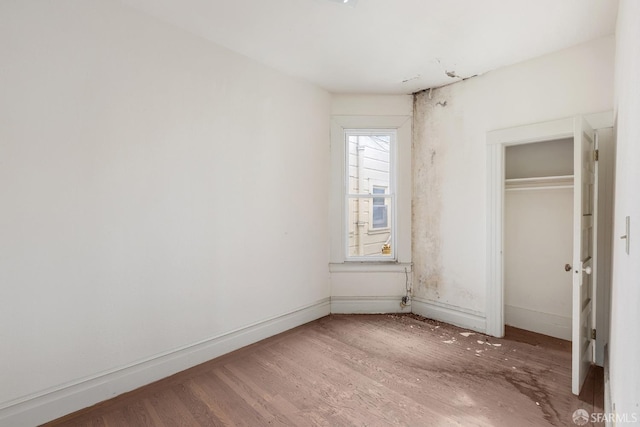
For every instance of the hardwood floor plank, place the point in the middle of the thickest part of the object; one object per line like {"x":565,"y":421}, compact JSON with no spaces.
{"x":353,"y":379}
{"x":170,"y":410}
{"x":284,"y":411}
{"x":237,"y":410}
{"x":197,"y":406}
{"x":116,"y":418}
{"x":153,"y":415}
{"x":242,"y":393}
{"x":217,"y":413}
{"x":138,"y":413}
{"x":366,"y":370}
{"x":433,"y":387}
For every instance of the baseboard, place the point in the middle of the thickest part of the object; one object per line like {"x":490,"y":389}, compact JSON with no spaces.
{"x":448,"y":314}
{"x":51,"y":404}
{"x":608,"y":406}
{"x":542,"y":323}
{"x":368,"y":305}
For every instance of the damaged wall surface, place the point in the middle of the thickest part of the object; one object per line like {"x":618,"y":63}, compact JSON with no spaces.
{"x":449,"y":164}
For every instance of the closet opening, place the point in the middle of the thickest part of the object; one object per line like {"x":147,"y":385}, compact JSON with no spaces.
{"x":538,"y":237}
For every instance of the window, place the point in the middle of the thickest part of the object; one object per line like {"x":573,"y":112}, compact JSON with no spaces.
{"x":379,"y":217}
{"x":369,"y":197}
{"x":356,"y":243}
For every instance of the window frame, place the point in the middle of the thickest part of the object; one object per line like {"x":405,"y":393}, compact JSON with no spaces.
{"x":390,"y":195}
{"x":402,"y":123}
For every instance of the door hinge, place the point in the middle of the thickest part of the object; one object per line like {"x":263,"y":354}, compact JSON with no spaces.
{"x":596,"y":155}
{"x":593,"y":334}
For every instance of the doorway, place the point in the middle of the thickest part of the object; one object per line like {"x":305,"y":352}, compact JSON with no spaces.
{"x":585,"y":305}
{"x":538,"y":237}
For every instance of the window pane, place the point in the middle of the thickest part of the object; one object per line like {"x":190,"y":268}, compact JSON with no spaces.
{"x":369,"y":231}
{"x":379,"y":216}
{"x":369,"y":161}
{"x":379,"y":209}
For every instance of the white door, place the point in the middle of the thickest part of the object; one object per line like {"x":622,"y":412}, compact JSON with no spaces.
{"x":584,"y":250}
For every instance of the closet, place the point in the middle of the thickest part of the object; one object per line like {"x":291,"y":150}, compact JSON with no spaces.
{"x":538,"y":233}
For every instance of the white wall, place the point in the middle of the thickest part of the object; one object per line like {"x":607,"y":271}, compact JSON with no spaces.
{"x":625,"y":299}
{"x":370,"y":287}
{"x":147,"y":199}
{"x":449,"y":170}
{"x":538,"y":227}
{"x":548,"y":158}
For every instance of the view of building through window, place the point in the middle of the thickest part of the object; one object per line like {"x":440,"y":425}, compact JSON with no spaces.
{"x":369,"y":193}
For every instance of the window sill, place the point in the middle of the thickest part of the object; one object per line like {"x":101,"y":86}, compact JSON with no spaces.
{"x":370,"y":267}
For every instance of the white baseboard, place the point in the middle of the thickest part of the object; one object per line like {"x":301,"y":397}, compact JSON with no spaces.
{"x":368,"y":305}
{"x":51,"y":404}
{"x":448,"y":314}
{"x":542,"y":323}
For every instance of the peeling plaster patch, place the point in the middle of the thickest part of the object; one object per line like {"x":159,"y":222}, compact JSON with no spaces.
{"x":452,"y":74}
{"x":429,"y":159}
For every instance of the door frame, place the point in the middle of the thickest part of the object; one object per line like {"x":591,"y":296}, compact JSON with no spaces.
{"x":497,"y":141}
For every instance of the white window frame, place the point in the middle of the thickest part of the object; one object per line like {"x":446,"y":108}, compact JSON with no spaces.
{"x":391,"y":195}
{"x":337,"y":260}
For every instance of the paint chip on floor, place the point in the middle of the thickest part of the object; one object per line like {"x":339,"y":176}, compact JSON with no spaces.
{"x":466,"y":334}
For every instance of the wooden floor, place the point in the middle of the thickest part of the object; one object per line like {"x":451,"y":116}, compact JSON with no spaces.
{"x":365,"y":370}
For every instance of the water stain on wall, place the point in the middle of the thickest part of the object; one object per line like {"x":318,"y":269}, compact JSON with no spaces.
{"x":429,"y":156}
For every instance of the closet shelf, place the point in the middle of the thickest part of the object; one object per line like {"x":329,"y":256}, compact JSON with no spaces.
{"x":539,"y":183}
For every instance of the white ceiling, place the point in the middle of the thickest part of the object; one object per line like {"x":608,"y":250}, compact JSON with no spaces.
{"x":389,"y":46}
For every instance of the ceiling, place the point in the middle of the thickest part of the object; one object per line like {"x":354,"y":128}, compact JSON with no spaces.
{"x":389,"y":46}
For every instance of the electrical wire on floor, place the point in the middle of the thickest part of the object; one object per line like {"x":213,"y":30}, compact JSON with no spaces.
{"x":406,"y":300}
